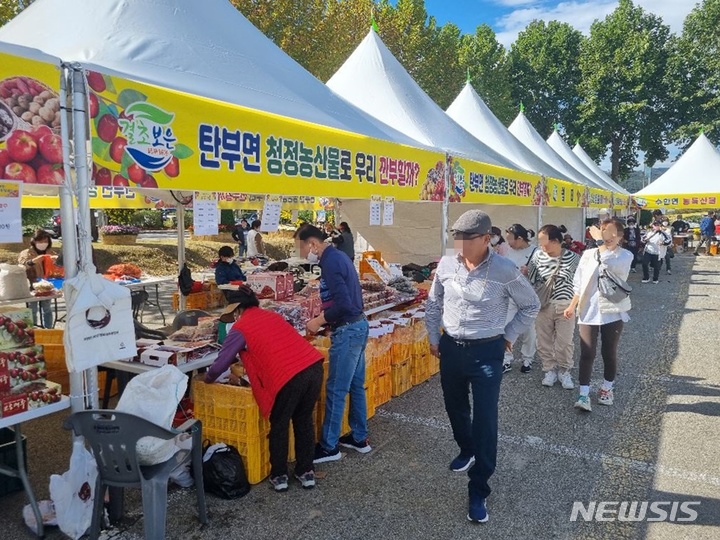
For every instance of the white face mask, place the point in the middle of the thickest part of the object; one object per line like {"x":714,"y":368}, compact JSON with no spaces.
{"x":41,"y":247}
{"x":313,"y":258}
{"x":494,"y":240}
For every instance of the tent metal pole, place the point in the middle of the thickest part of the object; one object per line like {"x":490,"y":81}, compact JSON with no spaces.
{"x":67,"y":220}
{"x":445,"y":207}
{"x":540,"y":206}
{"x":180,"y":214}
{"x":80,"y":137}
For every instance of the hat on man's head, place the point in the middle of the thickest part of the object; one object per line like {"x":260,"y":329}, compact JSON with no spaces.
{"x":473,"y":222}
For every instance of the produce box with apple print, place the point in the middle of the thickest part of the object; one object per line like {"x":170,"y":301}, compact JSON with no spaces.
{"x":29,"y":397}
{"x":30,"y":143}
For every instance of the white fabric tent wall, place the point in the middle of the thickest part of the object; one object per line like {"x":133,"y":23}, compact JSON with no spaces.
{"x":373,"y":80}
{"x":697,"y":171}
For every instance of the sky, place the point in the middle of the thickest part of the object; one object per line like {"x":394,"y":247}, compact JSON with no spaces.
{"x":510,"y":17}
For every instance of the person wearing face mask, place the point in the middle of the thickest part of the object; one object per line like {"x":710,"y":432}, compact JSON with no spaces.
{"x":498,"y":243}
{"x":227,"y":269}
{"x":656,"y":242}
{"x":632,"y":239}
{"x":285,"y":374}
{"x":342,"y":305}
{"x":551,"y":271}
{"x":597,"y":315}
{"x":520,"y":252}
{"x":468,"y":329}
{"x":34,"y":260}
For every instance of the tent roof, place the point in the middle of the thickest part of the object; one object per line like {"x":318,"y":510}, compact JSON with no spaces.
{"x":696,"y":171}
{"x":579,"y":151}
{"x":471,"y":112}
{"x":557,"y":143}
{"x":28,"y":52}
{"x":202,"y":48}
{"x":374,"y":80}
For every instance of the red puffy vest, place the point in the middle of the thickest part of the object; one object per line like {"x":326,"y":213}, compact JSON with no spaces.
{"x":274,"y":354}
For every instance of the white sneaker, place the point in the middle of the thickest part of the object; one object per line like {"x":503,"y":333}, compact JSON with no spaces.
{"x":655,"y":282}
{"x":669,"y":273}
{"x":583,"y":403}
{"x":566,"y":380}
{"x":551,"y":378}
{"x":605,"y":397}
{"x":646,"y":281}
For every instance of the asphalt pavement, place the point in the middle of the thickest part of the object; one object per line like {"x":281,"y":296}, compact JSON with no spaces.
{"x":657,"y":444}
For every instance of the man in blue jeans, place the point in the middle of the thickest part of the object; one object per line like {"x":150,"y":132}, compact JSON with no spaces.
{"x":469,"y":300}
{"x":342,"y":305}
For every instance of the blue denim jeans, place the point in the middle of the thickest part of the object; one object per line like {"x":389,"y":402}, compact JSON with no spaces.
{"x":477,"y":367}
{"x":47,"y":313}
{"x":346,"y":376}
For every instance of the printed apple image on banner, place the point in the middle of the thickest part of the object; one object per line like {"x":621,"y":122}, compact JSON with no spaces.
{"x":133,"y":138}
{"x":30,"y":143}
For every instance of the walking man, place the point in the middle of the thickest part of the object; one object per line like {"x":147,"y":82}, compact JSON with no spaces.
{"x":342,"y":305}
{"x":469,"y":301}
{"x":707,"y":232}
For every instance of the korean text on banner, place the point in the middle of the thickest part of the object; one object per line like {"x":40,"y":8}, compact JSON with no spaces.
{"x":699,"y":201}
{"x":271,"y":213}
{"x":10,"y":212}
{"x":30,"y":144}
{"x":205,"y":213}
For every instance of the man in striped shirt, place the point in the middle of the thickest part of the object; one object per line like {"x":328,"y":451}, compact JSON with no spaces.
{"x":469,"y":300}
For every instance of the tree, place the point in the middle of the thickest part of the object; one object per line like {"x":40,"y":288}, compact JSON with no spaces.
{"x":625,"y":88}
{"x":10,"y":8}
{"x":544,"y":73}
{"x":485,"y":61}
{"x":695,"y":75}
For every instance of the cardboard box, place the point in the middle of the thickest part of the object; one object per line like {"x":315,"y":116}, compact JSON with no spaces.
{"x":289,"y":286}
{"x":22,"y":356}
{"x":23,"y":375}
{"x":4,"y":381}
{"x":16,"y":329}
{"x":13,"y":403}
{"x":316,"y":305}
{"x":157,"y":357}
{"x":268,"y":285}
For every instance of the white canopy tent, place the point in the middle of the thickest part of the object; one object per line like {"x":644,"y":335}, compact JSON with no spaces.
{"x":580,"y":152}
{"x":695,"y":173}
{"x":471,"y":112}
{"x":557,"y":143}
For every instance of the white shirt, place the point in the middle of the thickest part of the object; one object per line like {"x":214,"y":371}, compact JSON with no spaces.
{"x":585,"y":285}
{"x":252,"y":250}
{"x":654,"y":241}
{"x":521,"y":257}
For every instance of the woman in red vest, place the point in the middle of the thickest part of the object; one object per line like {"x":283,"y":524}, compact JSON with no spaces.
{"x":285,"y":374}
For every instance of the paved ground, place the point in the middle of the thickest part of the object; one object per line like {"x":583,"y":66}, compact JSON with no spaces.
{"x":658,"y":443}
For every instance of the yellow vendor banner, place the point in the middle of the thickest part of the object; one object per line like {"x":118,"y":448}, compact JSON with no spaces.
{"x":697,"y":201}
{"x":30,"y":143}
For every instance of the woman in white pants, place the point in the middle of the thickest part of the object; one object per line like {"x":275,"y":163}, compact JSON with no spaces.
{"x":520,"y":252}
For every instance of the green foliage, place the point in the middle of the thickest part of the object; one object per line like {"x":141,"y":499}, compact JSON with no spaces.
{"x":148,"y":219}
{"x":36,"y":217}
{"x":120,"y":216}
{"x":227,"y":217}
{"x":625,"y":88}
{"x":544,"y":73}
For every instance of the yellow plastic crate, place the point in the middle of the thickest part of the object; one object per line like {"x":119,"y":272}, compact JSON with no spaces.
{"x":198,"y":300}
{"x":401,"y":380}
{"x":382,"y":388}
{"x":229,"y":411}
{"x":419,"y":370}
{"x":370,"y":398}
{"x":434,"y":363}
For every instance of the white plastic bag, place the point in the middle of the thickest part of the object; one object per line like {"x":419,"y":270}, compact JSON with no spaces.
{"x":13,"y":282}
{"x":73,"y":493}
{"x":47,"y":513}
{"x":154,"y":396}
{"x":99,"y":325}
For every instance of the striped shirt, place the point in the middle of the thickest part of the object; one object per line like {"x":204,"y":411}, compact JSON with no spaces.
{"x":542,"y":266}
{"x":473,"y":304}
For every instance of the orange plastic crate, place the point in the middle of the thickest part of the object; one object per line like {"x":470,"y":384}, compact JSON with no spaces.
{"x":48,"y":337}
{"x":370,"y":398}
{"x":382,"y":387}
{"x":419,"y":370}
{"x":198,"y":300}
{"x":434,"y":363}
{"x":401,"y":378}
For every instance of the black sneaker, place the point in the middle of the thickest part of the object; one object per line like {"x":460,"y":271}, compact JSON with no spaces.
{"x":526,"y":367}
{"x":279,"y":483}
{"x":348,"y":441}
{"x":461,"y":463}
{"x":322,"y":455}
{"x":307,"y":480}
{"x":507,"y":367}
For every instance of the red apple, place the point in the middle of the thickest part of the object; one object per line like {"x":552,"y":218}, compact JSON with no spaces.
{"x":136,"y":173}
{"x":20,"y":171}
{"x":94,"y":105}
{"x":96,"y":81}
{"x":103,"y":177}
{"x":120,"y":180}
{"x":21,"y":146}
{"x":149,"y":182}
{"x":117,"y":149}
{"x":5,"y":159}
{"x":172,"y":169}
{"x":107,"y":127}
{"x":51,"y":174}
{"x":39,"y":132}
{"x":51,"y":148}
